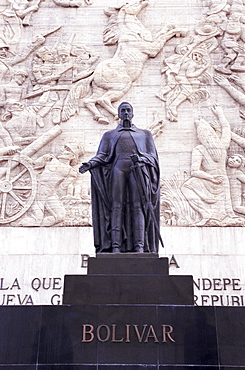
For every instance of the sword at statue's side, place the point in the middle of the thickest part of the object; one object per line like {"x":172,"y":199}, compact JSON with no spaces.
{"x":147,"y":205}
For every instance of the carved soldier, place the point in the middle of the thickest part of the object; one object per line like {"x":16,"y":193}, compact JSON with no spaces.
{"x":125,"y":189}
{"x":59,"y":173}
{"x":8,"y":60}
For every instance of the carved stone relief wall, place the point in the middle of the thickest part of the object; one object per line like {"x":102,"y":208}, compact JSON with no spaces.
{"x":65,"y":65}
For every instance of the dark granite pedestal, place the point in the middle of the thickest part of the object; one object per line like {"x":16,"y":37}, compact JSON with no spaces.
{"x":128,"y":279}
{"x":89,"y":333}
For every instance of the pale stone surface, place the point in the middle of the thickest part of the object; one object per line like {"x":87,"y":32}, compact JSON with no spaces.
{"x":66,"y":65}
{"x":188,"y":90}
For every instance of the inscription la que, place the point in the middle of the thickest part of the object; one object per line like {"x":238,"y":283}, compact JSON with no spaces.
{"x":12,"y":299}
{"x":26,"y":299}
{"x":106,"y":333}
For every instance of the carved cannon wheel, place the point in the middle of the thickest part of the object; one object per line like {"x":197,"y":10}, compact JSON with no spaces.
{"x":17,"y":188}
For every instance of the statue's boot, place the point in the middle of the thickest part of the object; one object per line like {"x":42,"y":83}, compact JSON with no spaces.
{"x":139,"y":249}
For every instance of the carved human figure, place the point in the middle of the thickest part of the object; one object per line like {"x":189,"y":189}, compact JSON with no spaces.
{"x":59,"y":174}
{"x":21,"y":121}
{"x":46,"y":76}
{"x":10,"y":23}
{"x":24,"y":9}
{"x":235,"y":166}
{"x":171,"y":67}
{"x":43,"y":66}
{"x":82,"y":75}
{"x":58,"y":73}
{"x":218,"y":11}
{"x":187,"y":69}
{"x":14,"y":14}
{"x":64,"y":72}
{"x":85,"y":59}
{"x":208,"y":190}
{"x":6,"y":143}
{"x":113,"y":77}
{"x":16,"y":89}
{"x":8,"y":60}
{"x":234,"y":32}
{"x":189,"y":80}
{"x":184,"y":79}
{"x":73,"y":82}
{"x":125,"y":189}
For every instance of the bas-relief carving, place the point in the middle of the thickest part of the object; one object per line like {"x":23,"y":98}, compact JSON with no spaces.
{"x":175,"y":210}
{"x":185,"y":71}
{"x":56,"y":177}
{"x":208,"y":190}
{"x":113,"y":77}
{"x":214,"y":187}
{"x":17,"y":188}
{"x":63,"y":75}
{"x":49,"y":79}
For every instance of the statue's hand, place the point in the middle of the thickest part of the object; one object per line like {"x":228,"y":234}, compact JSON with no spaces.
{"x":135,"y":158}
{"x":84,"y":167}
{"x":218,"y":179}
{"x":13,"y":149}
{"x":48,"y":157}
{"x":39,"y":40}
{"x":217,"y":110}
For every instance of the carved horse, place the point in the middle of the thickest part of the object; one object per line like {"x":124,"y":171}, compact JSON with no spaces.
{"x":113,"y":77}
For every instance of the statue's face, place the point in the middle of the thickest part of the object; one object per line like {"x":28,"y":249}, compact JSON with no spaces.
{"x":234,"y":161}
{"x":64,"y":58}
{"x":197,"y":57}
{"x":48,"y":57}
{"x":126,"y":112}
{"x":66,"y":154}
{"x":3,"y":52}
{"x":20,"y":79}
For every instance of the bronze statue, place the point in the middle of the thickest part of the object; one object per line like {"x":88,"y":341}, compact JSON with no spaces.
{"x":125,"y":189}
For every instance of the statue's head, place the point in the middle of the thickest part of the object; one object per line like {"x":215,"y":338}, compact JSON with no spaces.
{"x":20,"y":76}
{"x":125,"y":112}
{"x":63,"y":52}
{"x":235,"y":161}
{"x":46,"y":54}
{"x":3,"y":48}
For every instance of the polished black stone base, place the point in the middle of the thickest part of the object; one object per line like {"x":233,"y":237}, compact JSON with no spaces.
{"x":51,"y":337}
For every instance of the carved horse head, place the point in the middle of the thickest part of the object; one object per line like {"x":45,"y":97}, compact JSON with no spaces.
{"x":128,"y":15}
{"x":134,"y":8}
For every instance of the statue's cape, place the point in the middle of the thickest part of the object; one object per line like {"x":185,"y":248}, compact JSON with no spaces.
{"x":148,"y":183}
